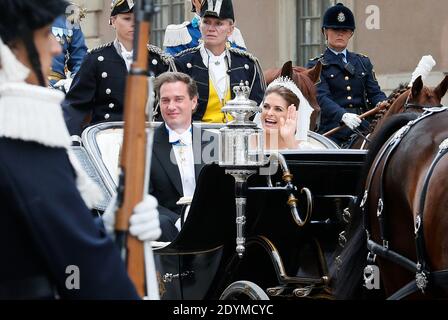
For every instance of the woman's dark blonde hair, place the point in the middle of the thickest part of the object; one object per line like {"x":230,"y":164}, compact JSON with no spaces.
{"x":286,"y":94}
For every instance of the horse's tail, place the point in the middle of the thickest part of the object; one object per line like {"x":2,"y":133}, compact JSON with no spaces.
{"x":349,"y":274}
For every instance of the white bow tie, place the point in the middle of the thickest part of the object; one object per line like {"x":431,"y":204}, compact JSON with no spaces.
{"x":184,"y":138}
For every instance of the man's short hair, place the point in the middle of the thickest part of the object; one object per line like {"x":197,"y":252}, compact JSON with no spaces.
{"x":172,"y":77}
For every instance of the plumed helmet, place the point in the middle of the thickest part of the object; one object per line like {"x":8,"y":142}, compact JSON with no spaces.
{"x":19,"y":16}
{"x":339,"y":17}
{"x":121,"y":6}
{"x":221,"y":9}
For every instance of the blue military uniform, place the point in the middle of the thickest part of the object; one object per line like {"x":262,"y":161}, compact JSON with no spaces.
{"x":343,"y":88}
{"x":74,"y":49}
{"x":98,"y":88}
{"x":241,"y":66}
{"x":187,"y":35}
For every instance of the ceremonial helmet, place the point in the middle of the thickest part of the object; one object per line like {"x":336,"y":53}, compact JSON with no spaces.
{"x":338,"y":17}
{"x":19,"y":19}
{"x":221,"y":9}
{"x":121,"y":6}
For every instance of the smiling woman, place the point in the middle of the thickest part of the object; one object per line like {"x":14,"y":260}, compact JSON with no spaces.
{"x":285,"y":117}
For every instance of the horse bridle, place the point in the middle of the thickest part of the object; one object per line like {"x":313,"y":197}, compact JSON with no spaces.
{"x":409,"y":105}
{"x":423,"y":276}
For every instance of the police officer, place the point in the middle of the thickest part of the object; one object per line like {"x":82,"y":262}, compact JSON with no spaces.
{"x":49,"y":242}
{"x":179,"y":37}
{"x":217,"y":68}
{"x":98,"y":88}
{"x":348,"y":85}
{"x":68,"y":33}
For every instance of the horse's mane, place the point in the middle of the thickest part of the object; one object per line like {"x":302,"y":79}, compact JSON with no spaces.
{"x":391,"y":99}
{"x":354,"y":254}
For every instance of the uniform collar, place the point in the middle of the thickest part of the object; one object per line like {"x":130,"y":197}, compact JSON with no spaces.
{"x":209,"y":57}
{"x":344,"y":52}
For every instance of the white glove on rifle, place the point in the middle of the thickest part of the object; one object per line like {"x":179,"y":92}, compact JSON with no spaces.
{"x":64,"y":84}
{"x":144,"y":222}
{"x":351,"y":120}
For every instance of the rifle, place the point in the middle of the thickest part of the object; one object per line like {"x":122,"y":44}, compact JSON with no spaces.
{"x":362,"y":116}
{"x":134,"y":160}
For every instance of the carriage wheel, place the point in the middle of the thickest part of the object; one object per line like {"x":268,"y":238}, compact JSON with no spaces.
{"x":243,"y":290}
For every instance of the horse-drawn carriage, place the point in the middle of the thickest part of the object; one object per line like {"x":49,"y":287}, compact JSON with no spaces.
{"x":286,"y":254}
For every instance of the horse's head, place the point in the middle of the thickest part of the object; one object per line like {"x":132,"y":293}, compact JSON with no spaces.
{"x":420,"y":96}
{"x":414,"y":99}
{"x":305,"y":79}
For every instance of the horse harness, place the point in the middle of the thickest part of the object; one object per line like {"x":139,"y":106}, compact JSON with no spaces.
{"x":423,"y":276}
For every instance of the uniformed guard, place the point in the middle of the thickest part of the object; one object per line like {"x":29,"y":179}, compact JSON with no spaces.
{"x":50,"y":245}
{"x":68,"y":33}
{"x":99,"y":86}
{"x":348,"y":85}
{"x":180,"y":37}
{"x":217,"y":68}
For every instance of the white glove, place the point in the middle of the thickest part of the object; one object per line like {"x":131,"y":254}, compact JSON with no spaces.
{"x":144,"y":222}
{"x":64,"y":83}
{"x":351,"y":120}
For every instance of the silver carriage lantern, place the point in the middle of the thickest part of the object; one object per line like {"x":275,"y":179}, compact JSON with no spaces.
{"x":241,"y":142}
{"x":241,"y":152}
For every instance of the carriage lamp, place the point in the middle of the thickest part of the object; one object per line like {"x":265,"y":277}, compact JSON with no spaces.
{"x":241,"y":152}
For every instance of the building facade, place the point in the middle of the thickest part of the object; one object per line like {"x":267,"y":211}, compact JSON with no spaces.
{"x":394,"y":34}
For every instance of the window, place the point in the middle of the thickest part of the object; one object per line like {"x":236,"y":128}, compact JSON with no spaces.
{"x":171,"y":12}
{"x":311,"y":41}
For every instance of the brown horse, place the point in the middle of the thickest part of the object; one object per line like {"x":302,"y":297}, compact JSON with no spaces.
{"x":305,"y":79}
{"x":401,"y":217}
{"x":413,"y":99}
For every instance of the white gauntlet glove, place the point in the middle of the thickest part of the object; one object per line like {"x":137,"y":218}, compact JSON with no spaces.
{"x":351,"y":120}
{"x":144,"y":222}
{"x":64,"y":84}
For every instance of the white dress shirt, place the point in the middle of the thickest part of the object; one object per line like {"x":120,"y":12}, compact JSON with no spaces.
{"x":183,"y":150}
{"x":217,"y":68}
{"x":344,"y":52}
{"x":126,"y":55}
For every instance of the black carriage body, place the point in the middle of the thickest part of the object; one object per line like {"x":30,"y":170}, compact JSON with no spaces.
{"x":281,"y":258}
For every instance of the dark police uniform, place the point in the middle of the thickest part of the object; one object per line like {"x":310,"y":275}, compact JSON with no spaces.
{"x":73,"y":50}
{"x":345,"y":87}
{"x":241,"y":66}
{"x":98,"y":88}
{"x":348,"y":86}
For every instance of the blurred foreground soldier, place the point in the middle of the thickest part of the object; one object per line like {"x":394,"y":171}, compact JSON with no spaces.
{"x":97,"y":91}
{"x":348,"y":84}
{"x":179,"y":37}
{"x":68,"y":33}
{"x":51,"y":246}
{"x":216,"y":68}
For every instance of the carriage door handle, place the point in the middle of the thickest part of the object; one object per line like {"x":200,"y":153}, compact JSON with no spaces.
{"x":169,"y":277}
